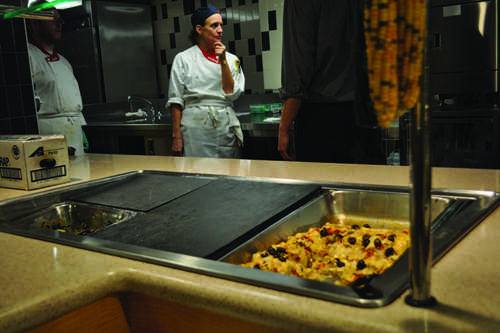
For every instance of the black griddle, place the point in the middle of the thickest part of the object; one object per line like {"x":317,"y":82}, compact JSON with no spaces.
{"x":213,"y":219}
{"x":142,"y":191}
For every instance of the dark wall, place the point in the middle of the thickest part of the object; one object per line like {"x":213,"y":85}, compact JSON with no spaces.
{"x":17,"y":107}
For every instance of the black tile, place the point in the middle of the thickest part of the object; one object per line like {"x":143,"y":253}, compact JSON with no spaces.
{"x":251,"y":46}
{"x":189,"y":7}
{"x":229,"y":3}
{"x":28,"y":100}
{"x":266,"y":44}
{"x":237,"y":31}
{"x":164,"y":11}
{"x":177,"y":24}
{"x":2,"y":73}
{"x":24,"y":72}
{"x":5,"y":126}
{"x":4,"y":112}
{"x":258,"y":63}
{"x":154,"y":13}
{"x":241,"y":2}
{"x":169,"y":69}
{"x":163,"y":57}
{"x":248,"y":91}
{"x":223,"y":14}
{"x":172,"y":41}
{"x":271,"y":20}
{"x":10,"y":68}
{"x":14,"y":101}
{"x":255,"y":1}
{"x":19,"y":35}
{"x":6,"y":37}
{"x":31,"y":125}
{"x":232,"y":47}
{"x":18,"y":125}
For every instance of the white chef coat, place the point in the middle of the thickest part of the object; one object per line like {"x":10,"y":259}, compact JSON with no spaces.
{"x":209,"y":125}
{"x":60,"y":100}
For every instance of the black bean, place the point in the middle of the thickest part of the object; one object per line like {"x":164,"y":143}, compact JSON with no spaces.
{"x":272,"y":251}
{"x":355,"y":227}
{"x":378,"y":243}
{"x":366,"y":242}
{"x":361,"y":264}
{"x":264,"y":254}
{"x":339,"y":263}
{"x":351,"y":240}
{"x":323,"y":232}
{"x":389,"y":252}
{"x":282,"y":259}
{"x":391,"y":237}
{"x":366,"y":236}
{"x":256,"y":266}
{"x":281,"y":249}
{"x":366,"y":226}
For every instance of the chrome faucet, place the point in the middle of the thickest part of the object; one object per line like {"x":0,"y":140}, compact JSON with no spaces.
{"x":142,"y":107}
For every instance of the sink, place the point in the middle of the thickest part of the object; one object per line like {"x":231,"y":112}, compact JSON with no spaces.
{"x":284,"y":208}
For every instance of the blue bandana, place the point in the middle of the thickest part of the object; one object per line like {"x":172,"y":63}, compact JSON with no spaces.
{"x":201,"y":14}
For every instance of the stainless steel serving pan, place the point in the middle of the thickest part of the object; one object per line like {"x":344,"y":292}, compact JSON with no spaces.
{"x":383,"y":210}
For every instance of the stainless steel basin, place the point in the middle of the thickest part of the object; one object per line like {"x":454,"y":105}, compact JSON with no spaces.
{"x":383,"y":210}
{"x":75,"y":217}
{"x":454,"y":214}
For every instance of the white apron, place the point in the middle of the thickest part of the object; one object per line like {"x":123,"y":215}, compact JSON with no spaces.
{"x":211,"y":131}
{"x":70,"y":126}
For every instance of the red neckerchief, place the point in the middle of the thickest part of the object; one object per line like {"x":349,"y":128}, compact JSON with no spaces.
{"x":51,"y":57}
{"x":210,"y":56}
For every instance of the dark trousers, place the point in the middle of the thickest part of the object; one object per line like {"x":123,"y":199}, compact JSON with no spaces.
{"x":326,"y":132}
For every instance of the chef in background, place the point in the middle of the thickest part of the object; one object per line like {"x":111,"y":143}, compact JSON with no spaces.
{"x":204,"y":81}
{"x":55,"y":85}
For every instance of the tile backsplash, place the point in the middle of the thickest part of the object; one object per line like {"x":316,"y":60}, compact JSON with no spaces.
{"x":252,"y":31}
{"x":17,"y":108}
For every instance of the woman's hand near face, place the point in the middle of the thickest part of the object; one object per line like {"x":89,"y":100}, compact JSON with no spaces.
{"x":220,"y":51}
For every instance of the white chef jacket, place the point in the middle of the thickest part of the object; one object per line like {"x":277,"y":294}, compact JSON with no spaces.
{"x":60,"y":99}
{"x":209,"y":125}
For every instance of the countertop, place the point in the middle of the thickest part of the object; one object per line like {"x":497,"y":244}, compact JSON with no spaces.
{"x":41,"y":281}
{"x":252,"y":124}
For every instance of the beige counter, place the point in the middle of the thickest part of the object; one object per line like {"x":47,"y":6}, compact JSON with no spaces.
{"x":41,"y":281}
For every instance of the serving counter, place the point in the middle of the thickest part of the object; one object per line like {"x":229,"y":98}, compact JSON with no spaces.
{"x":43,"y":281}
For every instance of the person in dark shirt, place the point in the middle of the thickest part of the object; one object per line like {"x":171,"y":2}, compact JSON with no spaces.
{"x":322,"y":85}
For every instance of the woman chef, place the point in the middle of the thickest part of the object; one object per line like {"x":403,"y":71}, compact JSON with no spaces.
{"x":204,"y":82}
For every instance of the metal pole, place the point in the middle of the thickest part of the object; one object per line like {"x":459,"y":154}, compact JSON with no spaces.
{"x":421,"y":183}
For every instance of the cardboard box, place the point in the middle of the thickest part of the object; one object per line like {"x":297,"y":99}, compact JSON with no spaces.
{"x":33,"y":161}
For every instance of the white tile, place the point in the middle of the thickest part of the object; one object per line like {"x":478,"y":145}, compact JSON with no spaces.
{"x":276,"y":41}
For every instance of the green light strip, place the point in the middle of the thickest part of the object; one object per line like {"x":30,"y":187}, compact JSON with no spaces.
{"x":32,"y":9}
